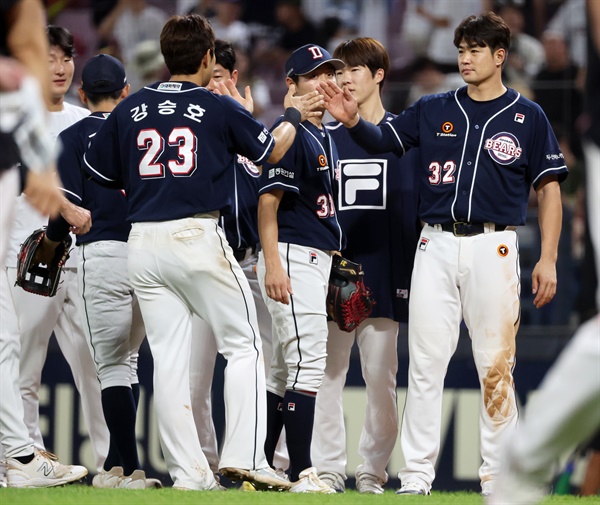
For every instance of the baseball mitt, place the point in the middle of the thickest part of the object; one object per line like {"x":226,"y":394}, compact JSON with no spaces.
{"x":31,"y":275}
{"x":349,"y":301}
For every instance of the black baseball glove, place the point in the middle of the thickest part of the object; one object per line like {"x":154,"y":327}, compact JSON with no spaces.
{"x":31,"y":275}
{"x":349,"y":301}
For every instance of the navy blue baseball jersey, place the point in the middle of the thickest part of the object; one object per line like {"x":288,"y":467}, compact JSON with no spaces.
{"x":306,"y":174}
{"x":377,"y":202}
{"x":108,"y":206}
{"x":170,"y":145}
{"x":241,"y":224}
{"x":478,"y":159}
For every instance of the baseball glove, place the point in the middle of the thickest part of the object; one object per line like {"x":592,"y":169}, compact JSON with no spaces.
{"x":31,"y":275}
{"x":349,"y":301}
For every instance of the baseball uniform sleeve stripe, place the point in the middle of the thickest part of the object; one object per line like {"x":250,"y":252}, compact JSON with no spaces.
{"x":559,"y":171}
{"x":96,"y":172}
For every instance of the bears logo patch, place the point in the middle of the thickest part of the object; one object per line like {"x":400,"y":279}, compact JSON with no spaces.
{"x":503,"y":148}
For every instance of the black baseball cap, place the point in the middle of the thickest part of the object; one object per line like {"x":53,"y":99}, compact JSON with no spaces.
{"x":306,"y":58}
{"x":103,"y":74}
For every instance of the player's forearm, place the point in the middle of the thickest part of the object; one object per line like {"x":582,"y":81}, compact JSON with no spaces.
{"x":268,"y":229}
{"x":371,"y":137}
{"x":550,"y":219}
{"x":284,"y":134}
{"x":28,"y":42}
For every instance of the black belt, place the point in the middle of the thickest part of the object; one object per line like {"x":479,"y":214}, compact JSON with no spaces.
{"x":244,"y":252}
{"x":460,"y":229}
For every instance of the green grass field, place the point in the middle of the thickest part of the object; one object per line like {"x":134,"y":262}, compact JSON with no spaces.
{"x":86,"y":495}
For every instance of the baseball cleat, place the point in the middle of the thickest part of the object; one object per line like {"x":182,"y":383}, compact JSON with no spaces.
{"x":369,"y":484}
{"x":334,"y":481}
{"x":262,"y":479}
{"x":43,"y":470}
{"x":137,"y":480}
{"x":108,"y":479}
{"x":309,"y":482}
{"x":413,"y":487}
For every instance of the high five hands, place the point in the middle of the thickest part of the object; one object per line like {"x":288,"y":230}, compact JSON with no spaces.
{"x":340,"y":103}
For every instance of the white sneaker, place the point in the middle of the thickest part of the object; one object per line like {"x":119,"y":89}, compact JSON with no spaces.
{"x":43,"y":470}
{"x":137,"y":480}
{"x":108,"y":479}
{"x":334,"y":481}
{"x":262,"y":479}
{"x":413,"y":487}
{"x":309,"y":482}
{"x":369,"y":484}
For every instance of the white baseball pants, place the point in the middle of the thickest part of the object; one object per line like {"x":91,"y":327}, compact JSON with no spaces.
{"x":563,"y":413}
{"x":112,"y":319}
{"x":37,"y":317}
{"x":477,"y":279}
{"x":300,"y":328}
{"x":377,"y":340}
{"x":202,"y":364}
{"x":184,"y":267}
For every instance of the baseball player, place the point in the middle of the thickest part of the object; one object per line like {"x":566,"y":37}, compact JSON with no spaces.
{"x":299,"y":231}
{"x":482,"y":147}
{"x":112,"y":320}
{"x":22,"y":77}
{"x":377,"y":209}
{"x":170,"y":147}
{"x":241,"y":229}
{"x":38,"y":316}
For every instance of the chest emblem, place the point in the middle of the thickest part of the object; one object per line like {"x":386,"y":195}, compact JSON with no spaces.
{"x":503,"y":148}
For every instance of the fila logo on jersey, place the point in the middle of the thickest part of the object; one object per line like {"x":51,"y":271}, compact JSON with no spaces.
{"x":291,"y":407}
{"x":502,"y":250}
{"x":363,"y":184}
{"x":519,"y":118}
{"x":503,"y":148}
{"x":313,"y":258}
{"x":447,"y":128}
{"x":402,"y":293}
{"x":423,"y":243}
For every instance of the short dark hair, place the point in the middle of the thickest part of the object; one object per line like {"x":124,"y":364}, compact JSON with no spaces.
{"x":96,"y":98}
{"x":184,"y":41}
{"x":61,"y":37}
{"x":364,"y":52}
{"x":225,"y":54}
{"x":485,"y":30}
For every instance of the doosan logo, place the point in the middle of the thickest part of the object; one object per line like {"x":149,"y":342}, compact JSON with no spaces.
{"x":503,"y":148}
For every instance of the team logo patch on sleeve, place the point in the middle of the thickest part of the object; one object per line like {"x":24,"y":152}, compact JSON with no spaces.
{"x":503,"y":148}
{"x":502,"y":250}
{"x":423,"y":243}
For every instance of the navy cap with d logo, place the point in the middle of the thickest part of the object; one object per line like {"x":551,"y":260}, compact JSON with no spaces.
{"x":103,"y":74}
{"x":306,"y":58}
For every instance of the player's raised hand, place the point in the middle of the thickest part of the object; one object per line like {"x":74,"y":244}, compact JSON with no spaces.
{"x":278,"y":285}
{"x":309,"y":105}
{"x":543,"y":282}
{"x":340,"y":103}
{"x":228,"y":88}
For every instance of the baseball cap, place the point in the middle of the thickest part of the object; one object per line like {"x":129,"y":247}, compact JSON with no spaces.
{"x":103,"y":74}
{"x":306,"y":58}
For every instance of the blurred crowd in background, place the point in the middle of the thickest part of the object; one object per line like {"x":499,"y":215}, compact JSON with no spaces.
{"x":546,"y":63}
